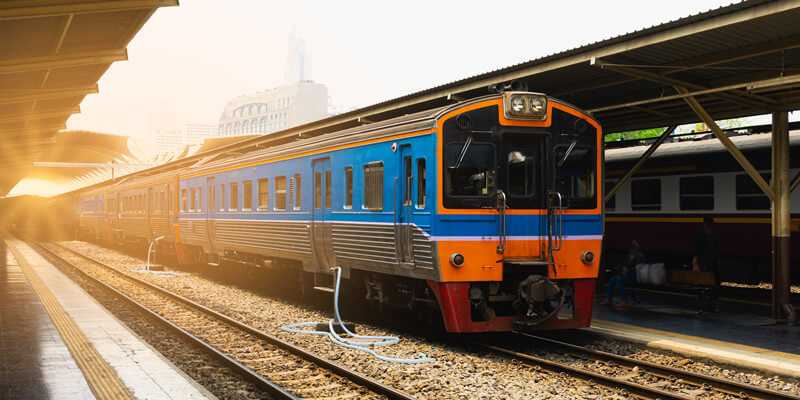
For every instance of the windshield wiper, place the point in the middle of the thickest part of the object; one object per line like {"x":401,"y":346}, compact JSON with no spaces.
{"x":463,"y":152}
{"x":567,"y":153}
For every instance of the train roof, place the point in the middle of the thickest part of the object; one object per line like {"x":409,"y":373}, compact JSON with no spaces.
{"x":708,"y":144}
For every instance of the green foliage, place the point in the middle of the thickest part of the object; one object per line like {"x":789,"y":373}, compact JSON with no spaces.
{"x":629,"y":135}
{"x":656,"y":132}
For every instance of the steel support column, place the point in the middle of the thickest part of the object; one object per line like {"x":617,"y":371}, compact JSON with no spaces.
{"x":723,"y":138}
{"x":781,"y":229}
{"x":650,"y":150}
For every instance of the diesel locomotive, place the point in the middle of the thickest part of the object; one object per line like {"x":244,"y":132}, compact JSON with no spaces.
{"x":487,"y":211}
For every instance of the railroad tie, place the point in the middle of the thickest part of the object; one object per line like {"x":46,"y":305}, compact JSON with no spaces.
{"x":104,"y":382}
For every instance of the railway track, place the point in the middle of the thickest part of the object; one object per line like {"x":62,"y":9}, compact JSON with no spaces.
{"x":274,"y":366}
{"x":660,"y":376}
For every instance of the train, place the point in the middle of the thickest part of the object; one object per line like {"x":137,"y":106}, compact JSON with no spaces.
{"x":486,"y":213}
{"x":692,"y":178}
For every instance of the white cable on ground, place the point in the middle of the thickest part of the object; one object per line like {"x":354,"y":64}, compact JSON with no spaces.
{"x":146,"y":269}
{"x":365,"y":342}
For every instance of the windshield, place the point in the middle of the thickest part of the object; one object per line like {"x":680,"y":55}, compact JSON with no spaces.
{"x":575,"y":171}
{"x":475,"y":175}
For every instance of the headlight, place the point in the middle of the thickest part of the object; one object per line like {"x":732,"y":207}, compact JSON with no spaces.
{"x":517,"y":103}
{"x":537,"y":104}
{"x":523,"y":105}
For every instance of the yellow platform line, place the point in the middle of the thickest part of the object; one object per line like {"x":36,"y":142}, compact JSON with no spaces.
{"x":101,"y":378}
{"x":622,"y":327}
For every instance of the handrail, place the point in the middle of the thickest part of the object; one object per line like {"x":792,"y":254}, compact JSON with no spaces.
{"x":502,"y":205}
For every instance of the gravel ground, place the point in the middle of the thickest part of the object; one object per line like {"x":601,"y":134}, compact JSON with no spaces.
{"x":457,"y":373}
{"x":754,"y":378}
{"x":215,"y":377}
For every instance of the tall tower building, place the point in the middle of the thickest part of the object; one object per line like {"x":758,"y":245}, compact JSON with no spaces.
{"x":298,"y":63}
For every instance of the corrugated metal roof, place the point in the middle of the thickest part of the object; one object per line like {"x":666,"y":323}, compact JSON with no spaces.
{"x":722,"y":50}
{"x":52,"y":53}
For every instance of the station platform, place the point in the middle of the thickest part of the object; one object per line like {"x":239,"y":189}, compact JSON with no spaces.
{"x":742,"y":334}
{"x":57,"y":342}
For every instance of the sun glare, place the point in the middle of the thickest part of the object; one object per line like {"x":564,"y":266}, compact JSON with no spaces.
{"x":37,"y":187}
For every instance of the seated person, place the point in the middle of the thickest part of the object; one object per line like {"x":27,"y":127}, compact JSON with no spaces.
{"x":626,"y":274}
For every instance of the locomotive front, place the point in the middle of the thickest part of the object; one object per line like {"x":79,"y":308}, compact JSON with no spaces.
{"x":519,"y":219}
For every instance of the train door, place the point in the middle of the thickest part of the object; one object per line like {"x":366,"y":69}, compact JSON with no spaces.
{"x":404,"y":187}
{"x":322,"y":241}
{"x":211,"y":206}
{"x":524,"y":175}
{"x":150,"y":212}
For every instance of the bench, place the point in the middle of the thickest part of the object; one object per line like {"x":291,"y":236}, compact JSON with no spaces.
{"x":690,"y":282}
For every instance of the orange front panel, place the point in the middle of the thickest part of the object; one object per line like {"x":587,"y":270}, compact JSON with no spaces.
{"x":482,"y":263}
{"x":568,"y":264}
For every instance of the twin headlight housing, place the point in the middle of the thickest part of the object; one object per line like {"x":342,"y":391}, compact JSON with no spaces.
{"x":523,"y":105}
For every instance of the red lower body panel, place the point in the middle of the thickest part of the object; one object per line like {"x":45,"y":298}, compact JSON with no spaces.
{"x":454,"y":301}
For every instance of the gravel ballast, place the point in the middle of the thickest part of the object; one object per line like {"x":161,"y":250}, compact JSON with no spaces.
{"x":456,"y":374}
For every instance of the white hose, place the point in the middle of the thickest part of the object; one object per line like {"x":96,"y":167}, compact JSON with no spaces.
{"x":146,"y":269}
{"x":365,"y":341}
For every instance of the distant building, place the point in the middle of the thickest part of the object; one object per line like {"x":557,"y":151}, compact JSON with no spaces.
{"x":298,"y":63}
{"x":191,"y":134}
{"x":274,"y":110}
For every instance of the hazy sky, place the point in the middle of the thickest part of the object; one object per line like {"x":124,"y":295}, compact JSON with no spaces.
{"x":188,"y":61}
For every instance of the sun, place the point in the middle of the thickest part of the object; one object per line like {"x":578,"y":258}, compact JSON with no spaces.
{"x":37,"y":187}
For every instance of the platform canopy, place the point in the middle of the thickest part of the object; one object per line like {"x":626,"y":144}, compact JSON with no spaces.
{"x":738,"y":60}
{"x":52,"y":53}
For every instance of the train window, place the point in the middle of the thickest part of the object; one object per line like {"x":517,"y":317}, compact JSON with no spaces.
{"x":222,"y":197}
{"x":247,"y":188}
{"x":192,"y":199}
{"x":199,"y":199}
{"x":162,"y":202}
{"x":296,"y":191}
{"x":280,"y":192}
{"x":420,"y":183}
{"x":317,"y":190}
{"x":470,"y":169}
{"x":212,"y":198}
{"x":646,"y":195}
{"x":263,"y":194}
{"x":409,"y":177}
{"x":234,"y":196}
{"x":697,"y":193}
{"x":183,"y":199}
{"x":169,"y":200}
{"x":611,"y":204}
{"x":521,"y":173}
{"x":290,"y":193}
{"x":328,"y":189}
{"x":373,"y":186}
{"x":575,"y":171}
{"x":348,"y":187}
{"x":748,"y":195}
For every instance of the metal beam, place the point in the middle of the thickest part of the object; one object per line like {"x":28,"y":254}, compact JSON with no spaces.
{"x":786,"y":80}
{"x":650,"y":150}
{"x":781,"y":227}
{"x":40,"y":115}
{"x":795,"y":182}
{"x":16,"y":96}
{"x":22,"y":9}
{"x":735,"y":95}
{"x":723,"y":138}
{"x":50,"y":164}
{"x":63,"y":60}
{"x":25,"y":131}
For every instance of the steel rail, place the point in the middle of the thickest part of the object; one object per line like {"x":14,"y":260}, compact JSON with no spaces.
{"x":607,"y":381}
{"x":248,"y":374}
{"x":733,"y":388}
{"x":340,"y":370}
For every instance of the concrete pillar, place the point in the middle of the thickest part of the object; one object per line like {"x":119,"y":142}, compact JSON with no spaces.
{"x":781,"y":229}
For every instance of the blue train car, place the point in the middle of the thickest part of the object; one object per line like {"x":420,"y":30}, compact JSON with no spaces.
{"x":487,"y":211}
